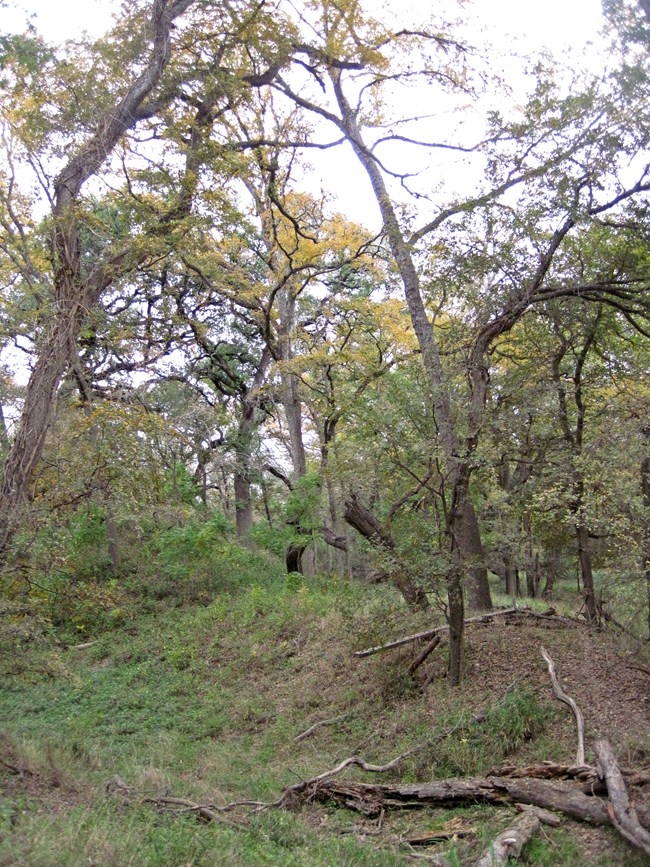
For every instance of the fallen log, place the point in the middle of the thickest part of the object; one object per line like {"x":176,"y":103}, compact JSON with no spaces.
{"x":509,"y":843}
{"x":508,"y":613}
{"x":370,"y":799}
{"x":622,"y":814}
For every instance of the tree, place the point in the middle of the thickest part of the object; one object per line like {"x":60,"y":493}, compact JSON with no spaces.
{"x":158,"y":58}
{"x":356,"y":56}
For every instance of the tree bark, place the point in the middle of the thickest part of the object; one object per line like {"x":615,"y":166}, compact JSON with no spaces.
{"x":622,"y":814}
{"x":645,"y":490}
{"x":365,"y":522}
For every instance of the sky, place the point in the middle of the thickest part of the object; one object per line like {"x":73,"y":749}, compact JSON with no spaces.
{"x":515,"y":26}
{"x":554,"y":23}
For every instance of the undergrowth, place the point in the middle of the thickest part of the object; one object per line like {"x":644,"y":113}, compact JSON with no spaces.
{"x":201,"y":690}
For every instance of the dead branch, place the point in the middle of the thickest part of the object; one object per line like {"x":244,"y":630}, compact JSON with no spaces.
{"x":206,"y":812}
{"x":430,"y":633}
{"x":394,"y":763}
{"x":509,"y":843}
{"x":544,"y":816}
{"x":563,"y":796}
{"x":622,"y":814}
{"x":508,"y":613}
{"x":317,"y":725}
{"x":562,"y":696}
{"x":424,"y":654}
{"x":592,"y":782}
{"x":549,"y":771}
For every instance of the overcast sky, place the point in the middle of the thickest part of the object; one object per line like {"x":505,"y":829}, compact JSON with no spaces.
{"x":555,"y":23}
{"x":515,"y":26}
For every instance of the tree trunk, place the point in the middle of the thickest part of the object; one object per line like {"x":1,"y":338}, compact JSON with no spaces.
{"x":112,"y":538}
{"x":74,"y":298}
{"x":533,"y":576}
{"x":584,"y":555}
{"x":243,"y":504}
{"x":56,"y":354}
{"x":472,"y":547}
{"x":4,"y":434}
{"x":244,"y":446}
{"x":293,"y":557}
{"x":458,"y":467}
{"x":645,"y":490}
{"x":510,"y":576}
{"x":366,"y":523}
{"x":552,"y":570}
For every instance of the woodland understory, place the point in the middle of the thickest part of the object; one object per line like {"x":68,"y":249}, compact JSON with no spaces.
{"x":214,"y":385}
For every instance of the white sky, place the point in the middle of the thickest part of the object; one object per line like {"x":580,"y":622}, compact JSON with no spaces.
{"x":554,"y":23}
{"x":516,"y":26}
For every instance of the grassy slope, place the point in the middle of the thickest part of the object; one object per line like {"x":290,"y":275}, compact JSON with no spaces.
{"x":204,"y":701}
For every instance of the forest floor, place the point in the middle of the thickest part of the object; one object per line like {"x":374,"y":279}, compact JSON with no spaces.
{"x":206,"y":702}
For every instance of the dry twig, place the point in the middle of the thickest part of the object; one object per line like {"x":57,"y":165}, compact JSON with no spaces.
{"x":317,"y":725}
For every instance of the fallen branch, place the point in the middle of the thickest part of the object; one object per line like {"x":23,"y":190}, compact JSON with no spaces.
{"x":592,"y":782}
{"x":622,"y":814}
{"x":370,"y":799}
{"x":549,"y":771}
{"x":509,"y":843}
{"x":544,"y":816}
{"x":435,"y":739}
{"x":424,"y":654}
{"x":430,"y":633}
{"x":559,"y":692}
{"x":317,"y":725}
{"x":481,"y":618}
{"x":206,"y":812}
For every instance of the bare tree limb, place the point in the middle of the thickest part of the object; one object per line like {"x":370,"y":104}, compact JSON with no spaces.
{"x":424,"y":654}
{"x":559,"y":693}
{"x":430,"y":633}
{"x":317,"y":725}
{"x":509,"y":843}
{"x":622,"y":814}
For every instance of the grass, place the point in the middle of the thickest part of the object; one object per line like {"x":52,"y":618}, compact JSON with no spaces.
{"x":203,"y":698}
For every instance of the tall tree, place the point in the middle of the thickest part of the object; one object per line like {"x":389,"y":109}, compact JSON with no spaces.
{"x":355,"y":56}
{"x":181,"y":68}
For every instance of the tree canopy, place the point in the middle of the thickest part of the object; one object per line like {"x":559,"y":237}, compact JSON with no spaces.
{"x":191,"y":333}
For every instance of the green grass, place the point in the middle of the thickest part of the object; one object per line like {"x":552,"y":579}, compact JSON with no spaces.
{"x":204,"y":699}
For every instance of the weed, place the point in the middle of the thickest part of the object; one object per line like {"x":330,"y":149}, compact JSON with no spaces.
{"x":205,"y":701}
